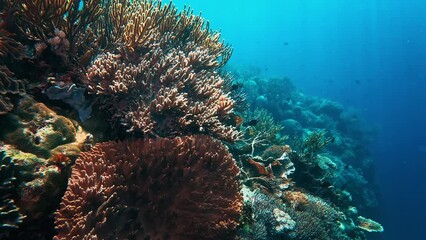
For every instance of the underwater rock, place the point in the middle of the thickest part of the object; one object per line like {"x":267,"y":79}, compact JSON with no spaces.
{"x":327,"y":107}
{"x":261,"y":101}
{"x":292,"y":127}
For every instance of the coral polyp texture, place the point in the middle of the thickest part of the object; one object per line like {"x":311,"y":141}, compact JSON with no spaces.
{"x":181,"y":188}
{"x":162,"y":80}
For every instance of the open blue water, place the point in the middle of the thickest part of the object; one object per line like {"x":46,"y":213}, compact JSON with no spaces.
{"x":367,"y":54}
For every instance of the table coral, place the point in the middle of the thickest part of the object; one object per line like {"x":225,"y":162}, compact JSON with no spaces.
{"x":181,"y":188}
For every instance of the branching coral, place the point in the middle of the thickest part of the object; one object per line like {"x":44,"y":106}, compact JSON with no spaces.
{"x":312,"y":145}
{"x":182,"y":188}
{"x":264,"y":132}
{"x":39,"y":18}
{"x":163,"y":81}
{"x":147,"y":22}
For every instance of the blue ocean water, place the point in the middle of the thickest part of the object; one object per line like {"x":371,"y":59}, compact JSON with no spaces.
{"x":369,"y":55}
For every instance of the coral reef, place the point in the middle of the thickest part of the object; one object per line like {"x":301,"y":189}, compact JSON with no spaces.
{"x":345,"y":163}
{"x":151,"y":78}
{"x":181,"y":188}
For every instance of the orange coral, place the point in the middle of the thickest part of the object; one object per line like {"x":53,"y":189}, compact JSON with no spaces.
{"x":295,"y":198}
{"x":260,"y":169}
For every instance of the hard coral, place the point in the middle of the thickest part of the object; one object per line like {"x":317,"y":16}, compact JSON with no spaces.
{"x":182,"y":188}
{"x":35,"y":128}
{"x":163,"y":80}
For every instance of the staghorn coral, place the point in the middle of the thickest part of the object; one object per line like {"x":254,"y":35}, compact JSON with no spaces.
{"x":182,"y":188}
{"x":39,"y":18}
{"x":147,"y":22}
{"x":163,"y":80}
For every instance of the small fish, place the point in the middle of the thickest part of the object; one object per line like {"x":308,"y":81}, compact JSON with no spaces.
{"x":347,"y":166}
{"x":252,"y":122}
{"x":236,"y":86}
{"x":285,"y":43}
{"x":251,"y":132}
{"x":238,"y":120}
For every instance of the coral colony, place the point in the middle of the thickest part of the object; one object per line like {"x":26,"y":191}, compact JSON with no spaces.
{"x":118,"y":122}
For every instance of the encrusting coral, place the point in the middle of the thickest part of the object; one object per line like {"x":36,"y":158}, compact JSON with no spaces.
{"x":181,"y":188}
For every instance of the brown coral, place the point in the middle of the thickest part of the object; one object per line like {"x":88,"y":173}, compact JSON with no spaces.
{"x":182,"y":188}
